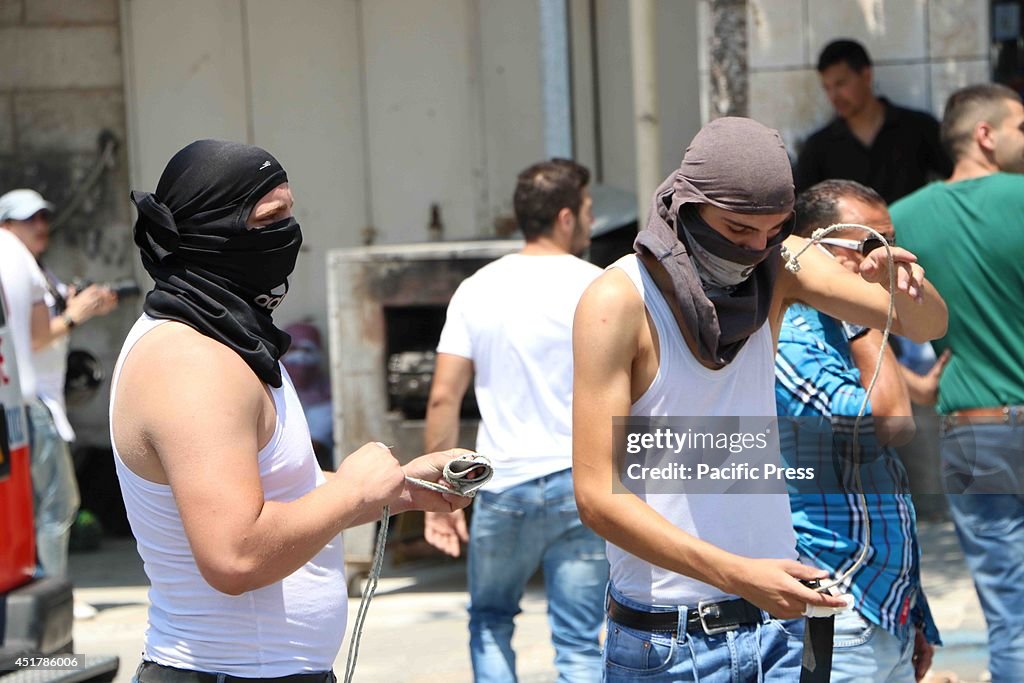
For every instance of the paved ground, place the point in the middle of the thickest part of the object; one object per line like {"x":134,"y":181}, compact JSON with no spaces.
{"x":424,"y":605}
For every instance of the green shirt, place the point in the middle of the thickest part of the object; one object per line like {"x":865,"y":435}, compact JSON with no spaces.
{"x":969,"y":237}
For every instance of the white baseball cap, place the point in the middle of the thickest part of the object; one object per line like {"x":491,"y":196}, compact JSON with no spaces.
{"x":21,"y":205}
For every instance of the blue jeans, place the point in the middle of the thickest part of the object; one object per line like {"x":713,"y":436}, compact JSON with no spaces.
{"x":769,"y":651}
{"x":54,"y":491}
{"x":535,"y":524}
{"x":863,"y":652}
{"x":991,"y":531}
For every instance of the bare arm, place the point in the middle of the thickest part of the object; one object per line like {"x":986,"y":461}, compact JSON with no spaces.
{"x":920,"y":313}
{"x":44,"y":330}
{"x":91,"y":302}
{"x":890,"y":399}
{"x":202,"y":428}
{"x":606,"y":341}
{"x":452,"y":376}
{"x":924,"y":389}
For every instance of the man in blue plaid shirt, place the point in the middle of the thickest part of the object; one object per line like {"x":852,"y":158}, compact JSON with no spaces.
{"x":888,"y":636}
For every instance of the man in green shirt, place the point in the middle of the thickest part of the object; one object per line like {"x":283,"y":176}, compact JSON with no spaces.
{"x":968,"y":234}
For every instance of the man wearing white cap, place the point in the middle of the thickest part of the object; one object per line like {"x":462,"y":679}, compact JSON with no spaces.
{"x":46,"y":311}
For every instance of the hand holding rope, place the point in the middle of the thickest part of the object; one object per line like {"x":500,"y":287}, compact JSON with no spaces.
{"x":793,"y":265}
{"x":464,"y":475}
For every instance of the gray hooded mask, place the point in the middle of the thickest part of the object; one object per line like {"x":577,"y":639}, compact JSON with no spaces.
{"x":723,"y":290}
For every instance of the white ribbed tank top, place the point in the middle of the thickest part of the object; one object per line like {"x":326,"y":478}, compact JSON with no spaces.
{"x":751,"y":525}
{"x":292,"y":626}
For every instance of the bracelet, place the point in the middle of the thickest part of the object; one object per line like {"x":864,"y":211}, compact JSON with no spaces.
{"x":69,"y":322}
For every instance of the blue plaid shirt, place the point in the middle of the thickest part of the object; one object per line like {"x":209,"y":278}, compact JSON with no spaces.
{"x":815,"y":377}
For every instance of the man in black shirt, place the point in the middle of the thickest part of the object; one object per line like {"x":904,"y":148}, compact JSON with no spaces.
{"x":888,"y":148}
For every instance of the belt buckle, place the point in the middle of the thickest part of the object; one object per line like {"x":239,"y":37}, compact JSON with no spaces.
{"x":704,"y":609}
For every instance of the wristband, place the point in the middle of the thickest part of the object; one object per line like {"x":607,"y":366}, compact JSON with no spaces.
{"x":69,"y":322}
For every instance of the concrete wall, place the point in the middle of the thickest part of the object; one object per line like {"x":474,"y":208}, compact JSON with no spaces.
{"x":381,"y":109}
{"x":678,"y":50}
{"x":377,"y":109}
{"x":922,"y":49}
{"x":285,"y":76}
{"x":602,"y":91}
{"x":61,"y":85}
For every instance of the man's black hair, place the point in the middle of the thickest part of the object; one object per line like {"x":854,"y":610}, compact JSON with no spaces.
{"x":544,"y":189}
{"x":969,"y":106}
{"x":839,"y":51}
{"x":818,"y":205}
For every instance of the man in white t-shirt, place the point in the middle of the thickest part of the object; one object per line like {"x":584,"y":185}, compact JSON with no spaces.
{"x":509,"y":327}
{"x":56,"y":309}
{"x":23,"y":289}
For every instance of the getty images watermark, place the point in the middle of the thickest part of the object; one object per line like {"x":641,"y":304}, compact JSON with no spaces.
{"x":691,"y":448}
{"x":813,"y":455}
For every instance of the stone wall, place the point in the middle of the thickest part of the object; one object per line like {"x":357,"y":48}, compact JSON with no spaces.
{"x":922,"y":49}
{"x":728,"y":58}
{"x":61,"y":91}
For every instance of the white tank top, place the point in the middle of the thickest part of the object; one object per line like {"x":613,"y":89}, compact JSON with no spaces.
{"x":752,"y":525}
{"x":292,"y":626}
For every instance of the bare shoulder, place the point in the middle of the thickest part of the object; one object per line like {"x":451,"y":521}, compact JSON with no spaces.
{"x":175,"y":350}
{"x":174,"y":369}
{"x":609,"y":323}
{"x":612,"y":296}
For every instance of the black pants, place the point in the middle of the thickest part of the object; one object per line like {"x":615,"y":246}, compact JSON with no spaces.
{"x":151,"y":672}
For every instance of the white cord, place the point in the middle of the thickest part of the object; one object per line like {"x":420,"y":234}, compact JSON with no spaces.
{"x":793,"y":265}
{"x":457,"y":473}
{"x":368,"y":590}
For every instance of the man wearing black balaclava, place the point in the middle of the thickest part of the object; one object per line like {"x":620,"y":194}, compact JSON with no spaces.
{"x":237,"y":525}
{"x":686,"y":327}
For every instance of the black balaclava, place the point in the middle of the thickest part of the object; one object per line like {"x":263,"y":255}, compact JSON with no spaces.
{"x":739,"y":165}
{"x":213,"y":273}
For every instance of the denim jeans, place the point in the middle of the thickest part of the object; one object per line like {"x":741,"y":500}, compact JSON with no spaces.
{"x":768,"y":651}
{"x":54,"y":491}
{"x":864,"y":652}
{"x":535,"y":524}
{"x":991,"y":531}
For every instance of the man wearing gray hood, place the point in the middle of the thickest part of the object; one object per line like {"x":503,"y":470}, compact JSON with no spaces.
{"x":702,"y":585}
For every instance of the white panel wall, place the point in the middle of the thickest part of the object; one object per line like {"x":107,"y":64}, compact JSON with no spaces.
{"x":583,"y":86}
{"x":306,"y":108}
{"x":512,"y":87}
{"x":419,"y":104}
{"x":379,"y":108}
{"x":679,"y":94}
{"x":283,"y":76}
{"x":180,"y":89}
{"x":616,"y":94}
{"x":679,"y":98}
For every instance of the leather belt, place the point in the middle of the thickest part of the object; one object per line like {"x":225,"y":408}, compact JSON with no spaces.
{"x":151,"y":672}
{"x":709,"y":617}
{"x":996,"y":415}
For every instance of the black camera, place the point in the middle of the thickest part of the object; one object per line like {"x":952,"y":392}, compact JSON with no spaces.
{"x":122,"y":288}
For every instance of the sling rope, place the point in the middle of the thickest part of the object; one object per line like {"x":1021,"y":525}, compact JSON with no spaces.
{"x":793,"y":265}
{"x":465,"y":475}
